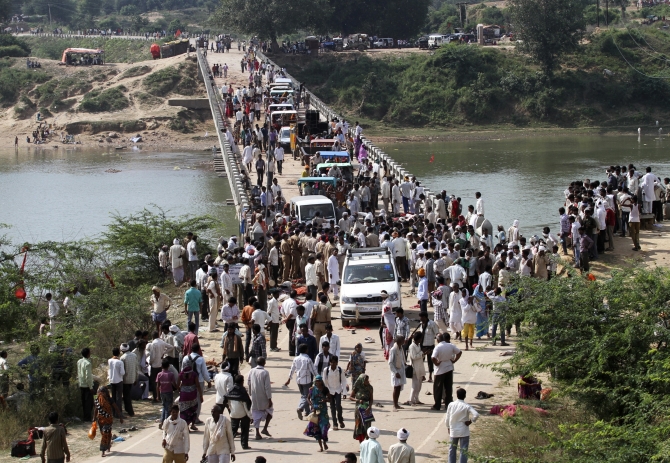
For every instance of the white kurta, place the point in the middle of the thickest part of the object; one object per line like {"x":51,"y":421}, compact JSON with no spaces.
{"x":333,"y":270}
{"x":455,"y":315}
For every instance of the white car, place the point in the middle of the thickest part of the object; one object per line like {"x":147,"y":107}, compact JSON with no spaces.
{"x":306,"y":207}
{"x":285,"y":138}
{"x":365,"y":274}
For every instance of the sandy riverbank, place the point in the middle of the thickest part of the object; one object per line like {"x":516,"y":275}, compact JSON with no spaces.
{"x":147,"y":114}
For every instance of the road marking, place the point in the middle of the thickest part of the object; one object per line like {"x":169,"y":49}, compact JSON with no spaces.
{"x":439,"y":423}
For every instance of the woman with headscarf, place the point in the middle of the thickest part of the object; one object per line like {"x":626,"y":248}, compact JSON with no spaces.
{"x":190,"y":395}
{"x":318,"y":399}
{"x":103,"y":415}
{"x":482,"y":325}
{"x":363,"y":394}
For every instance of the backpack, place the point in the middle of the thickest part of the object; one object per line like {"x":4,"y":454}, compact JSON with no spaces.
{"x":24,"y":448}
{"x":338,"y":369}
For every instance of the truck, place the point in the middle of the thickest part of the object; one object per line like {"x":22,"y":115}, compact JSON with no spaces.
{"x":365,"y":274}
{"x":358,"y":42}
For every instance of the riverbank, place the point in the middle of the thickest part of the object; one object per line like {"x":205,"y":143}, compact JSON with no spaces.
{"x":104,"y":106}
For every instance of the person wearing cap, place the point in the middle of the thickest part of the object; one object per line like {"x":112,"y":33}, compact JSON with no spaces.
{"x":371,"y":450}
{"x":401,"y":452}
{"x":176,"y":253}
{"x":160,"y":305}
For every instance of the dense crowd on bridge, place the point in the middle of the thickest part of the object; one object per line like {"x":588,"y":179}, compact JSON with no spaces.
{"x":285,"y":272}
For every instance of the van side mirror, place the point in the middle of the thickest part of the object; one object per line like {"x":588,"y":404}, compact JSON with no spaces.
{"x":339,"y":283}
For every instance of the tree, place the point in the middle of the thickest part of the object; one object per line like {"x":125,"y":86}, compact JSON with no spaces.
{"x":547,"y":28}
{"x":400,"y":19}
{"x":271,"y":19}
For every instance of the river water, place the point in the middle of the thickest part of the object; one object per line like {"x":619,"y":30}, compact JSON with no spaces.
{"x":59,"y":194}
{"x":524,"y":178}
{"x":68,"y":194}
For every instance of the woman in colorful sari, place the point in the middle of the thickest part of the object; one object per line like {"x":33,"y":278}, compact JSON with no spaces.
{"x":318,"y":402}
{"x":482,"y":325}
{"x":104,"y":417}
{"x":362,"y":393}
{"x":190,"y":395}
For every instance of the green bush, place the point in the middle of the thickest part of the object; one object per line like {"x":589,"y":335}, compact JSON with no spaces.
{"x":14,"y":81}
{"x":112,"y":99}
{"x":163,"y":82}
{"x":135,"y":71}
{"x":117,"y":50}
{"x":13,"y":46}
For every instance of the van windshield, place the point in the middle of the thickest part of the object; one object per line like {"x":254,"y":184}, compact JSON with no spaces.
{"x":368,"y":273}
{"x":308,"y":212}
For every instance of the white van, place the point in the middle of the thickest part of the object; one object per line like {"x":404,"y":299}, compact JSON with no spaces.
{"x":306,"y":207}
{"x":366,"y":272}
{"x":435,"y":40}
{"x":284,"y":81}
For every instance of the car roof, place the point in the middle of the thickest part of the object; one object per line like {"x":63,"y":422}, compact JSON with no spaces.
{"x":312,"y":199}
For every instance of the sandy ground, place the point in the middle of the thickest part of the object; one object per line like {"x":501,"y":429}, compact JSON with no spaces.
{"x":156,"y":135}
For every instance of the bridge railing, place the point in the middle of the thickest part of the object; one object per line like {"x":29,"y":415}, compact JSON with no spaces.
{"x":374,"y":152}
{"x":240,"y":197}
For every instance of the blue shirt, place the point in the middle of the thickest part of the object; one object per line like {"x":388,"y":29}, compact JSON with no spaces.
{"x":192,"y":299}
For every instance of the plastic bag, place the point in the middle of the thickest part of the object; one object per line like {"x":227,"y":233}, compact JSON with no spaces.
{"x":92,"y":431}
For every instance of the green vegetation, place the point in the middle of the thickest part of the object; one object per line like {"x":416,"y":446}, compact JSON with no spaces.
{"x":13,"y":47}
{"x":173,"y":80}
{"x":473,"y":85}
{"x":551,"y":34}
{"x":107,"y":311}
{"x":116,"y":50}
{"x":15,"y":80}
{"x":112,"y":99}
{"x":605,"y":346}
{"x":135,"y":71}
{"x":52,"y":93}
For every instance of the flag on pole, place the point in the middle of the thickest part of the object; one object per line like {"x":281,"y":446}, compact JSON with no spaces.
{"x":178,"y":33}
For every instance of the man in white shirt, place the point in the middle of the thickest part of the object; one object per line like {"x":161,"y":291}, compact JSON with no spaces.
{"x":358,"y":130}
{"x":273,"y":312}
{"x":336,"y":382}
{"x":226,"y":282}
{"x":175,"y":253}
{"x":223,"y":382}
{"x":444,"y":356}
{"x":175,"y":437}
{"x":333,"y":270}
{"x":396,"y":198}
{"x":289,"y":310}
{"x":54,"y":310}
{"x":192,"y":256}
{"x":333,"y":339}
{"x":406,"y":191}
{"x":400,"y":254}
{"x":155,"y":351}
{"x":479,"y":208}
{"x":305,"y":372}
{"x":458,"y":420}
{"x":116,"y":370}
{"x":260,"y":317}
{"x":310,"y":277}
{"x":279,"y":157}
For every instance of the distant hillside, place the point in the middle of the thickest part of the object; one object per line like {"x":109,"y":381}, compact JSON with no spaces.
{"x":469,"y":85}
{"x":117,"y":50}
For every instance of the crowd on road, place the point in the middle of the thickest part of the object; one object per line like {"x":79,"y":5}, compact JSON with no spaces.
{"x":286,"y":272}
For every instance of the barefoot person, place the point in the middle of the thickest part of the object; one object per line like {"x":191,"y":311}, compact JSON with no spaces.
{"x":218,"y":445}
{"x":318,"y":398}
{"x":104,"y":416}
{"x":260,"y":390}
{"x":397,"y":365}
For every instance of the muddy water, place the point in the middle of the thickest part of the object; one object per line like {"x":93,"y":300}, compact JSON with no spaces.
{"x":69,"y":194}
{"x":524,"y":178}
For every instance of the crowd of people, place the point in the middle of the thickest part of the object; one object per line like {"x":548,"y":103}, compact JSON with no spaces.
{"x":284,"y":273}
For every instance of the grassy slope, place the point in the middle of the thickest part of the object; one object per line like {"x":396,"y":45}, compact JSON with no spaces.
{"x":461,"y":86}
{"x":116,"y":50}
